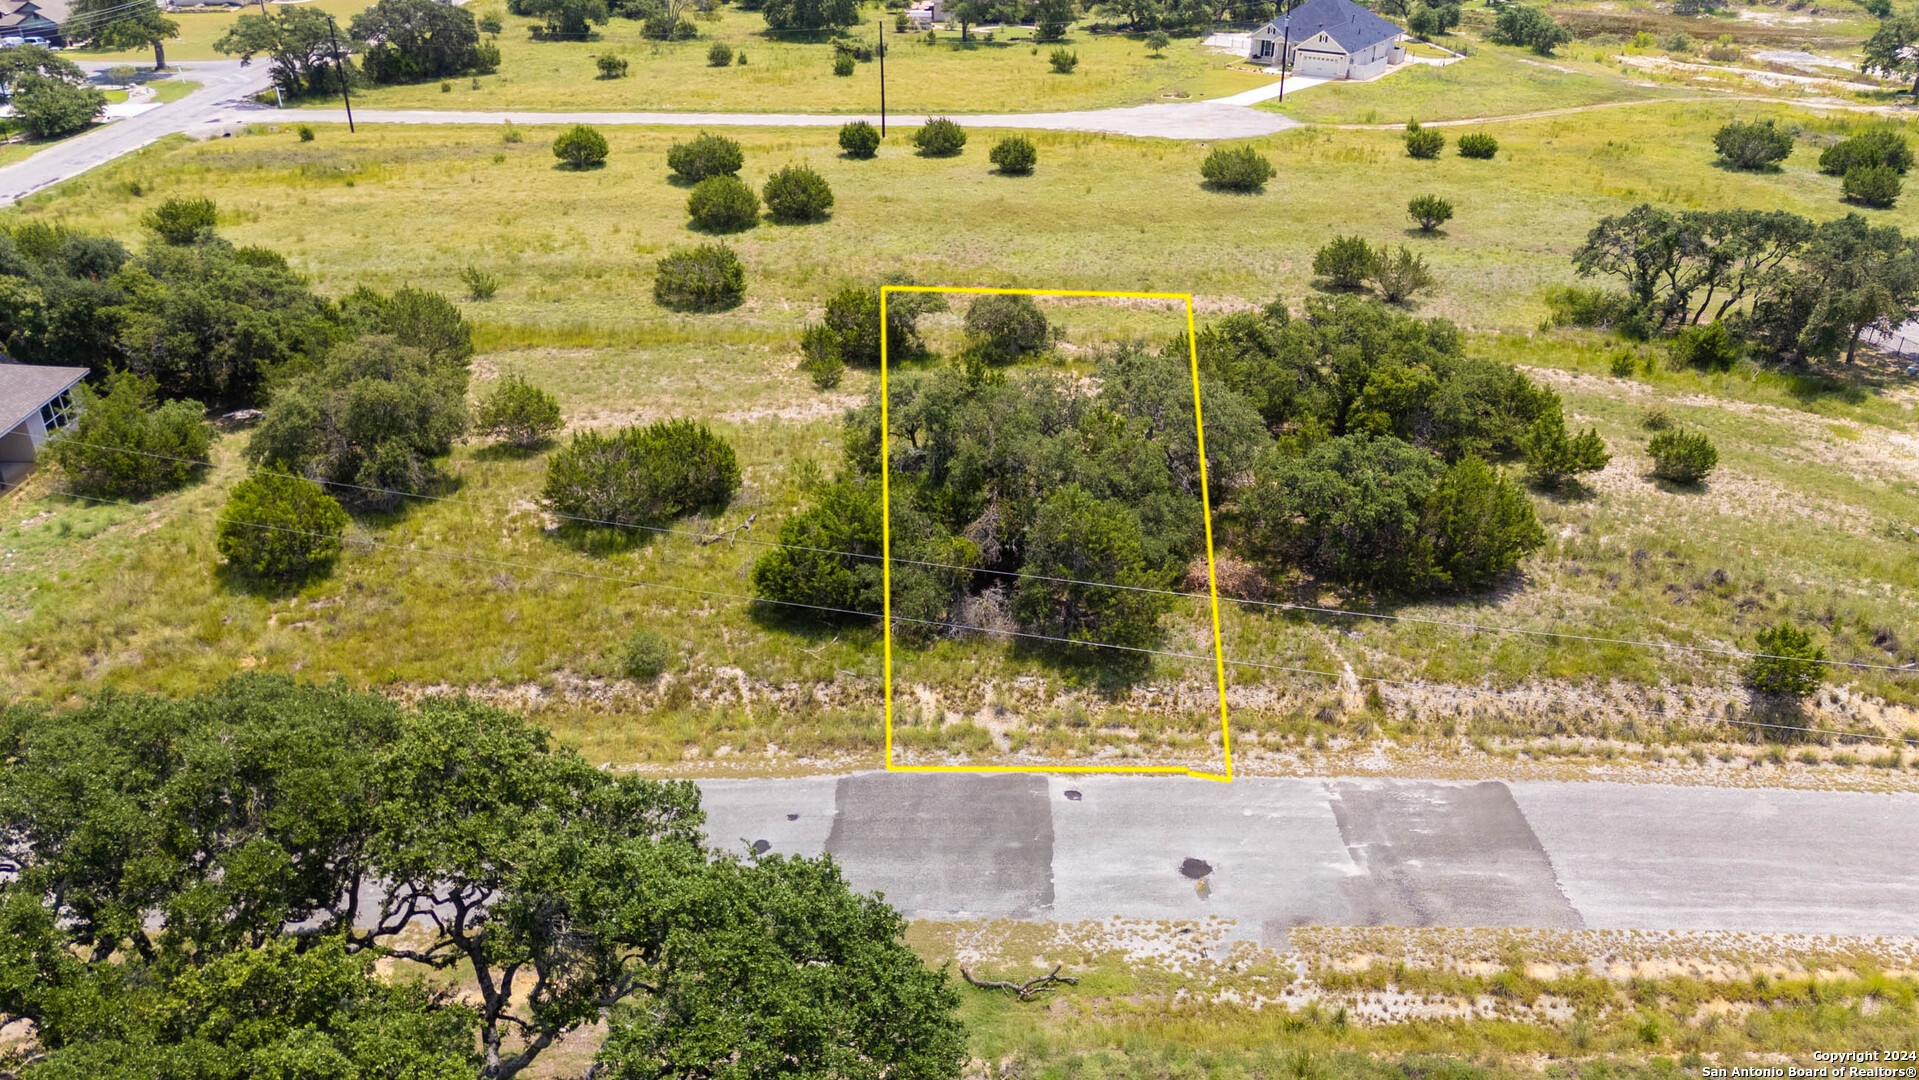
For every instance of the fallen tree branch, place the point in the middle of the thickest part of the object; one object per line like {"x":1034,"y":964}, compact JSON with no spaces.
{"x":732,"y":534}
{"x":1027,"y":989}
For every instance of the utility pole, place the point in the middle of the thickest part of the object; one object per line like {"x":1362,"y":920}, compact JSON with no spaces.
{"x":882,"y":76}
{"x":1285,"y":46}
{"x":339,"y":65}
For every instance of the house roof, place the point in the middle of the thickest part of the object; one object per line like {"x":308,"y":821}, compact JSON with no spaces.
{"x":26,"y":387}
{"x":1352,"y":26}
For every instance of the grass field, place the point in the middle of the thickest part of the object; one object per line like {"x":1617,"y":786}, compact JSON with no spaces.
{"x":1806,"y":518}
{"x":199,"y":30}
{"x":793,"y":73}
{"x":1494,"y":81}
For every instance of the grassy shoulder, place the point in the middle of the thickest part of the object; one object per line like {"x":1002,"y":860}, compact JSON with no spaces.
{"x":925,"y":73}
{"x":1494,"y":81}
{"x":1177,"y":999}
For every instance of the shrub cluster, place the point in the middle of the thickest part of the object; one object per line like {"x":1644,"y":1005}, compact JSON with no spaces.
{"x":843,"y":64}
{"x":723,"y":203}
{"x":642,"y":475}
{"x":709,"y":277}
{"x":182,"y":221}
{"x":1003,"y":328}
{"x":611,"y":67}
{"x":1683,"y":457}
{"x":1478,"y":145}
{"x":1423,"y":143}
{"x":940,"y":137}
{"x":1554,"y":457}
{"x":125,"y":446}
{"x":1430,"y":211}
{"x":1754,"y":146}
{"x":1872,"y":185}
{"x":279,"y":528}
{"x":859,"y":139}
{"x":1014,"y":155}
{"x":719,"y":54}
{"x":1063,"y":60}
{"x":580,"y":147}
{"x":1879,"y":146}
{"x":848,"y":334}
{"x":518,"y":412}
{"x":707,"y":155}
{"x":1346,"y":262}
{"x":796,"y":193}
{"x":1241,"y":169}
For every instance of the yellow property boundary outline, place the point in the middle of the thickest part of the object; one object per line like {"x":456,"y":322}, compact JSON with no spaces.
{"x":886,"y":543}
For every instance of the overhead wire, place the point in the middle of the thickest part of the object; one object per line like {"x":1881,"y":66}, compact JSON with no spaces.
{"x":990,"y":631}
{"x":1310,"y":609}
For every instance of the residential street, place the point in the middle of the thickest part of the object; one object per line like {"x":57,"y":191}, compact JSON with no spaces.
{"x":1289,"y":852}
{"x":222,"y":97}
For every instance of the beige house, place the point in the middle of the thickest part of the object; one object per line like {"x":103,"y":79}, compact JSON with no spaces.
{"x":1329,"y":39}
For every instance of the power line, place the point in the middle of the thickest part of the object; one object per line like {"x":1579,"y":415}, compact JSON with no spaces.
{"x":1311,"y":609}
{"x":1028,"y":635}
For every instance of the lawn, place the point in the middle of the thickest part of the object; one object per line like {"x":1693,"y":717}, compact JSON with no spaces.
{"x":1803,"y":520}
{"x":1493,"y":81}
{"x":199,"y":30}
{"x":172,"y":90}
{"x":793,"y":73}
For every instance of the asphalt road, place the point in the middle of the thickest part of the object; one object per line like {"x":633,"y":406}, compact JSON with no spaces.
{"x":221,"y":100}
{"x":1279,"y":853}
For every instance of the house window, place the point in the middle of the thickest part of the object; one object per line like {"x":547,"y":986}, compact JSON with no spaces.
{"x":59,"y":412}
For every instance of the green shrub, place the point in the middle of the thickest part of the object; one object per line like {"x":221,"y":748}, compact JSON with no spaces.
{"x":1789,"y":665}
{"x":181,"y":221}
{"x":611,"y":67}
{"x":1005,"y":327}
{"x":480,"y":285}
{"x":1656,"y":419}
{"x":642,"y":475}
{"x":1531,"y":27}
{"x":860,"y":139}
{"x":123,"y":446}
{"x":46,"y":107}
{"x":580,"y":147}
{"x":796,"y":193}
{"x":1622,"y":365}
{"x":1430,"y":211}
{"x":1880,"y":146}
{"x":1582,"y":305}
{"x":646,"y":657}
{"x":848,"y":334}
{"x":843,"y":64}
{"x":1555,"y":457}
{"x":1761,"y":145}
{"x":704,"y":278}
{"x":1872,"y":185}
{"x":511,"y":134}
{"x":1075,"y":540}
{"x":1400,"y":273}
{"x":1423,"y":143}
{"x":1478,"y":145}
{"x":1063,"y":60}
{"x":1157,"y":41}
{"x":1713,"y":347}
{"x":280,"y":528}
{"x":1014,"y":155}
{"x":940,"y":137}
{"x":723,"y":204}
{"x":1240,"y":169}
{"x":1346,"y":261}
{"x":1683,"y":457}
{"x":305,"y":131}
{"x":707,"y":155}
{"x":822,"y":365}
{"x":518,"y":412}
{"x":719,"y":54}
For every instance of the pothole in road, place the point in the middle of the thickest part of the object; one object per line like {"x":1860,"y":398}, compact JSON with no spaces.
{"x":761,"y":847}
{"x":1072,"y":795}
{"x":792,"y":817}
{"x":1195,"y":868}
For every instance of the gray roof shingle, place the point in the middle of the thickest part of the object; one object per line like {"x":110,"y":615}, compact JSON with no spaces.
{"x":1352,"y":26}
{"x":26,"y":387}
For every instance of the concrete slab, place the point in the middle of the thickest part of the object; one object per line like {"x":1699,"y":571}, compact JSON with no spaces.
{"x":1273,"y":848}
{"x":948,"y":846}
{"x":791,"y":817}
{"x":1693,"y":858}
{"x":1443,"y":854}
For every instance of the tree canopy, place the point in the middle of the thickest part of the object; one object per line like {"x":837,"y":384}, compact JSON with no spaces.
{"x":183,"y":877}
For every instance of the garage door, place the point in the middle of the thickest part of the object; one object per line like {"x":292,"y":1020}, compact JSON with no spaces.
{"x":1319,"y":65}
